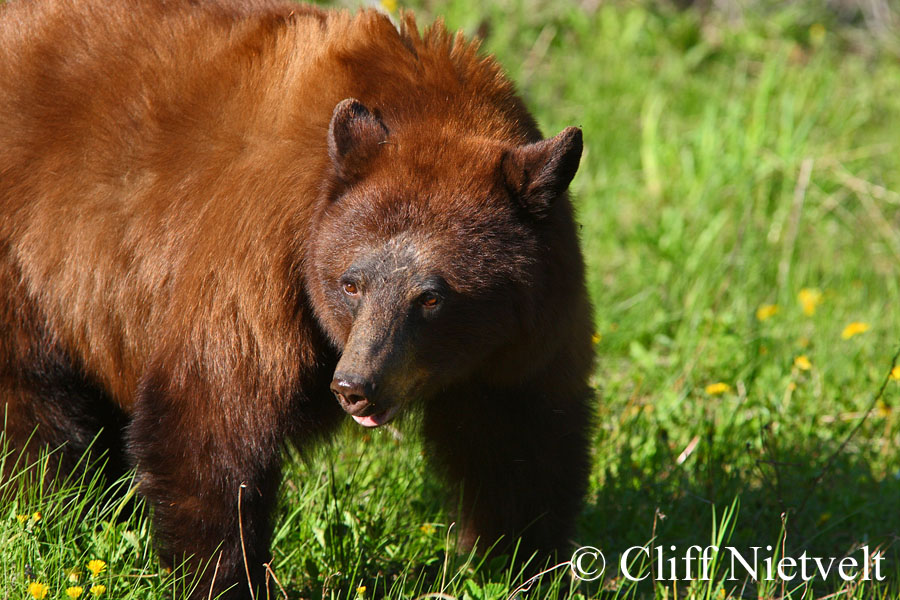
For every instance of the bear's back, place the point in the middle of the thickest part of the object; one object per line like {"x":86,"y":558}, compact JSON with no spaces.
{"x":160,"y":164}
{"x":138,"y":142}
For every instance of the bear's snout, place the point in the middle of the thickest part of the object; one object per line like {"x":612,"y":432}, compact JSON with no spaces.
{"x":354,"y":395}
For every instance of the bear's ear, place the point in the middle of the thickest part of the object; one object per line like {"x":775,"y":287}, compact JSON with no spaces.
{"x":353,"y":137}
{"x":538,"y":173}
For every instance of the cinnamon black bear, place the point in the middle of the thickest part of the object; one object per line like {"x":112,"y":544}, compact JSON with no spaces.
{"x":224,"y":225}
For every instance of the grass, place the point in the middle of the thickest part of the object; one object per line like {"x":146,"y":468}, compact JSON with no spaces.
{"x":730,"y":165}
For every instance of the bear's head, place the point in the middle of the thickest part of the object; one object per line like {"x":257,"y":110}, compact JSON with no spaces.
{"x":435,"y":257}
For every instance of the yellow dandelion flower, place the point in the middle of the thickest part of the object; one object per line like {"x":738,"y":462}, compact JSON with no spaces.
{"x":98,"y":590}
{"x":37,"y":516}
{"x":389,"y":5}
{"x":802,"y":363}
{"x":74,"y":591}
{"x":809,"y":299}
{"x":895,"y":373}
{"x":854,"y":328}
{"x":595,"y":339}
{"x":816,"y":34}
{"x":714,"y":389}
{"x":361,"y":590}
{"x":766,"y":311}
{"x":21,"y":518}
{"x":427,"y":528}
{"x":37,"y":590}
{"x":96,"y":567}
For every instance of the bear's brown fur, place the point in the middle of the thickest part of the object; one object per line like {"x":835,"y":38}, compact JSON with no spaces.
{"x":217,"y":218}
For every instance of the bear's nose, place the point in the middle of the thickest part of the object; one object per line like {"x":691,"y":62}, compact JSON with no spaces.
{"x":352,"y":393}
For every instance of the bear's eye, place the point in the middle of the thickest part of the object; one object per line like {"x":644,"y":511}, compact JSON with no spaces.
{"x":350,"y":288}
{"x":429,"y":300}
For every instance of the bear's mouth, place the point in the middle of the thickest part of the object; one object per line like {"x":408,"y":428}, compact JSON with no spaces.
{"x":355,"y":398}
{"x":376,"y":419}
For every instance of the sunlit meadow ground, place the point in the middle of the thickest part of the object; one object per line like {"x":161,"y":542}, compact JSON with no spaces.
{"x":740,"y":202}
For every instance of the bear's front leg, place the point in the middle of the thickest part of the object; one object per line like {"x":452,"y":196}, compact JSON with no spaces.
{"x":520,"y":460}
{"x":209,"y":466}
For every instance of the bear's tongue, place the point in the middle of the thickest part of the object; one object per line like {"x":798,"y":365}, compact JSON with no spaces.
{"x":372,"y":421}
{"x":377,"y":419}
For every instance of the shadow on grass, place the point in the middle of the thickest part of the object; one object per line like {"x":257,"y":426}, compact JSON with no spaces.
{"x":785,"y":498}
